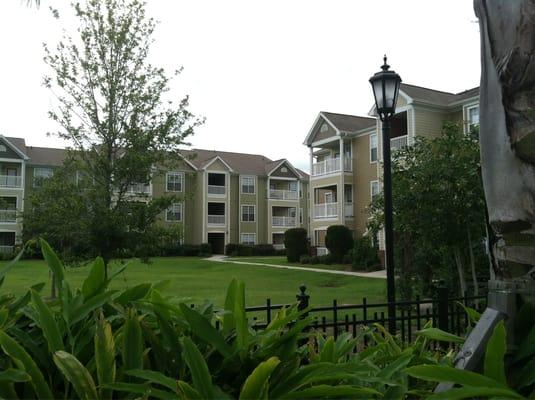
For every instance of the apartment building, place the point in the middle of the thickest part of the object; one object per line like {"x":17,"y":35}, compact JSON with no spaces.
{"x":224,"y":197}
{"x":345,"y":153}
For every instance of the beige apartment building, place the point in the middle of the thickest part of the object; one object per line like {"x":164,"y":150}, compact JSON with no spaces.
{"x":345,"y":153}
{"x":224,"y":197}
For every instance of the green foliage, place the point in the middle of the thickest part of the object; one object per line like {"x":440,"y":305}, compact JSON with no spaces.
{"x":339,"y":240}
{"x":296,"y":243}
{"x":100,"y":344}
{"x":237,"y":250}
{"x":364,"y":255}
{"x":112,"y":109}
{"x":439,"y":212}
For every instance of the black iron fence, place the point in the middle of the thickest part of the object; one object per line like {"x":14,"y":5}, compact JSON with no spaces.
{"x":445,"y":312}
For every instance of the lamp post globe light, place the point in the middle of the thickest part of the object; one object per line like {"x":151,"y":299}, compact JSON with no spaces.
{"x":385,"y":85}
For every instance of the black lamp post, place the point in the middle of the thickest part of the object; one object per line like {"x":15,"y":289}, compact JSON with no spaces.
{"x":385,"y":85}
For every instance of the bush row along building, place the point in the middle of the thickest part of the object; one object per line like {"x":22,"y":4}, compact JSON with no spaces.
{"x":245,"y":198}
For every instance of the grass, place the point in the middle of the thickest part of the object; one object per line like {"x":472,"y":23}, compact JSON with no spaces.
{"x":282,"y":260}
{"x":198,"y":280}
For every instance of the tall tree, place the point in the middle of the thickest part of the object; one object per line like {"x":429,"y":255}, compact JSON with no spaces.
{"x":113,"y":111}
{"x":439,"y":208}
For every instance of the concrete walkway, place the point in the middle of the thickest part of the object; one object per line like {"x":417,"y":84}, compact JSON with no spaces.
{"x":376,"y":274}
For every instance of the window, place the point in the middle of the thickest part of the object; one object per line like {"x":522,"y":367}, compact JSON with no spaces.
{"x":247,"y":213}
{"x":174,"y":213}
{"x":174,"y":181}
{"x":248,"y":239}
{"x":301,"y":216}
{"x":41,"y":173}
{"x":472,"y":114}
{"x":284,"y":169}
{"x":248,"y":184}
{"x":293,"y":186}
{"x":374,"y":189}
{"x":373,"y":147}
{"x":3,"y":148}
{"x":324,"y":128}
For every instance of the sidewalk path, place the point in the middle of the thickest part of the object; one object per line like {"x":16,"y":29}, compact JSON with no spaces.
{"x":376,"y":274}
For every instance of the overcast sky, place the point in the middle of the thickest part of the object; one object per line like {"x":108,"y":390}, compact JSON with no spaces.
{"x":259,"y":71}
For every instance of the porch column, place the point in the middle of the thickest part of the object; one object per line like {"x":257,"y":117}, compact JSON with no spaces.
{"x":340,"y":186}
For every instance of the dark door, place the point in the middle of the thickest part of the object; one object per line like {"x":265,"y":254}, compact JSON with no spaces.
{"x":217,"y":241}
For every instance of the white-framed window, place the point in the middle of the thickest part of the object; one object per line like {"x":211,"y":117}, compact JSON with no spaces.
{"x":324,"y":128}
{"x":174,"y":213}
{"x":472,"y":116}
{"x":248,"y":213}
{"x":174,"y":181}
{"x":373,"y":147}
{"x":248,"y":239}
{"x":248,"y":185}
{"x":374,"y":189}
{"x":41,"y":173}
{"x":293,"y":186}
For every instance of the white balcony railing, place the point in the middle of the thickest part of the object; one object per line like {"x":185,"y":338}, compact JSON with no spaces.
{"x":326,"y":210}
{"x":8,"y":215}
{"x":216,"y":220}
{"x":283,"y":194}
{"x":6,"y":249}
{"x":330,"y":166}
{"x":217,"y":190}
{"x":399,"y":142}
{"x":348,"y":210}
{"x":283,"y":221}
{"x":10,"y":181}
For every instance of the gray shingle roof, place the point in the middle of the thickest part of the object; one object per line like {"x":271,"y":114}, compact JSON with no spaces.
{"x":46,"y":155}
{"x":437,"y":97}
{"x":349,"y":123}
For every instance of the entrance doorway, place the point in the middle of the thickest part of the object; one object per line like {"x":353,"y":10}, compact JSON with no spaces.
{"x":217,"y":241}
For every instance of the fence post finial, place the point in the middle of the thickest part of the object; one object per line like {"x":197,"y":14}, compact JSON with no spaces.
{"x":302,"y":298}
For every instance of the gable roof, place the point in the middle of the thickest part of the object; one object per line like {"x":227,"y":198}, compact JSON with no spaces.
{"x":436,"y":97}
{"x":272,"y":166}
{"x":348,"y":123}
{"x":46,"y":155}
{"x":18,"y":145}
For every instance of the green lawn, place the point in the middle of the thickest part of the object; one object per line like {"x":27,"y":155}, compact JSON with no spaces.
{"x":198,"y":280}
{"x":282,"y":260}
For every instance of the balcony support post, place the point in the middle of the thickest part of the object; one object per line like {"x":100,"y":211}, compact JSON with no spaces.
{"x":340,"y":186}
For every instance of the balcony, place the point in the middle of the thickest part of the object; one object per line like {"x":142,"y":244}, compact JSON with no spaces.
{"x":10,"y":181}
{"x":138,"y":188}
{"x":283,"y":221}
{"x":8,"y":216}
{"x":331,"y":165}
{"x":326,"y":210}
{"x":283,"y":194}
{"x":348,"y":210}
{"x":399,"y":142}
{"x":217,"y":190}
{"x":218,"y":220}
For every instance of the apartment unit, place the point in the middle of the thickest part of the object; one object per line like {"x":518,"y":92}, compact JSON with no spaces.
{"x":346,"y":152}
{"x":224,"y":197}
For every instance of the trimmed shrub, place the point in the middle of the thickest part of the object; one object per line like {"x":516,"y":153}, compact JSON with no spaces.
{"x":339,"y":240}
{"x":243,"y":250}
{"x":296,"y":243}
{"x":304,"y":259}
{"x":280,"y":252}
{"x":325,"y":259}
{"x":263,"y":250}
{"x":205,"y":250}
{"x":365,"y":257}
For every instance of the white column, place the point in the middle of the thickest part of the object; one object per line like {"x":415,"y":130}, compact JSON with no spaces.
{"x":311,"y":150}
{"x":340,"y":191}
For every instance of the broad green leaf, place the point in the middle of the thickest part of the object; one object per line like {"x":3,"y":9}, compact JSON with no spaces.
{"x":96,"y":280}
{"x":327,"y":352}
{"x":200,"y":375}
{"x":76,"y":374}
{"x":186,"y":392}
{"x":154,"y":377}
{"x":256,"y":384}
{"x":242,"y":328}
{"x":48,"y":324}
{"x":14,"y":375}
{"x":473,"y":315}
{"x":396,"y":365}
{"x":527,"y":346}
{"x":439,"y":334}
{"x":135,"y":388}
{"x":24,"y":362}
{"x":53,"y":262}
{"x":343,"y":391}
{"x":527,"y":374}
{"x":5,"y":269}
{"x":468,"y":392}
{"x":202,"y":328}
{"x":494,"y":365}
{"x":134,"y":293}
{"x":78,"y":313}
{"x":132,"y":342}
{"x":442,"y":373}
{"x":104,"y":356}
{"x":229,"y":322}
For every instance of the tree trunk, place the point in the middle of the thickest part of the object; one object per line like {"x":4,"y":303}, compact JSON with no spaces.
{"x":460,"y":269}
{"x":472,"y":263}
